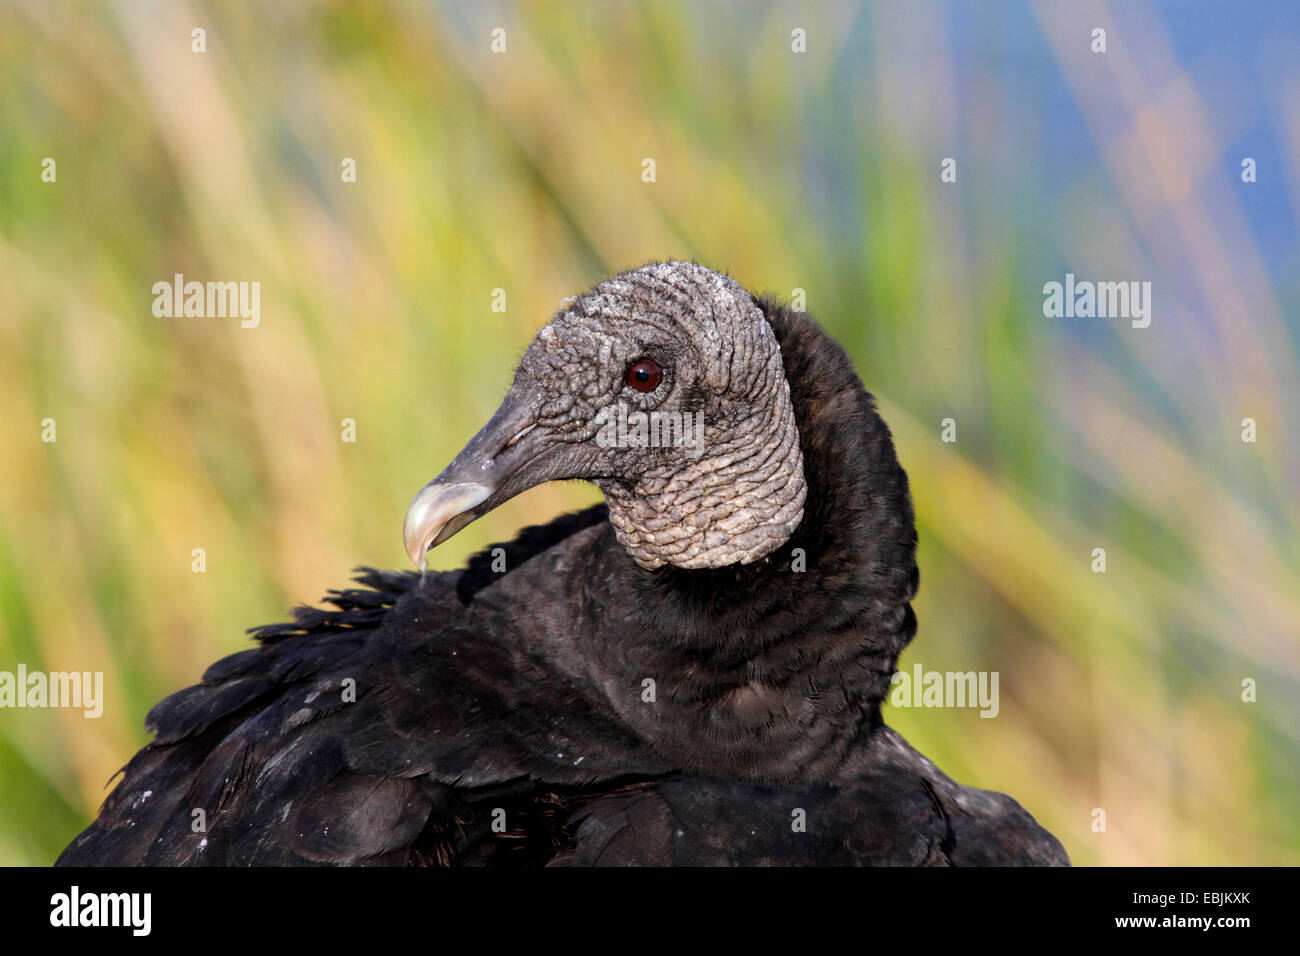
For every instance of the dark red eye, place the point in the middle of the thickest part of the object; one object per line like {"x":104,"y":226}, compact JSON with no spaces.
{"x":645,"y":375}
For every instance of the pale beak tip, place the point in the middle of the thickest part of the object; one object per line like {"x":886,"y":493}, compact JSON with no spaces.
{"x":418,"y":552}
{"x":438,"y":512}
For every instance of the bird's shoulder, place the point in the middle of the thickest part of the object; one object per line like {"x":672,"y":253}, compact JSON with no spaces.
{"x":891,"y":807}
{"x":363,"y":729}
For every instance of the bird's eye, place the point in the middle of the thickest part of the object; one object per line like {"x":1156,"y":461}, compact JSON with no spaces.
{"x":645,"y":375}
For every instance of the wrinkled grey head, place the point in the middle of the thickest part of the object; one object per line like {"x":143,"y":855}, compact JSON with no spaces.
{"x":664,"y":386}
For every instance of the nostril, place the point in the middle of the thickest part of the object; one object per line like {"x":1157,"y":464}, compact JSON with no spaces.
{"x":518,"y":435}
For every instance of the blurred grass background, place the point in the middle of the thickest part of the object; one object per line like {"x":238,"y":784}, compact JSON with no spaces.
{"x":818,"y":171}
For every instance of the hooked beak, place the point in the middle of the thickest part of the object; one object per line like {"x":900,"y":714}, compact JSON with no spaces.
{"x":507,"y":457}
{"x":438,"y":512}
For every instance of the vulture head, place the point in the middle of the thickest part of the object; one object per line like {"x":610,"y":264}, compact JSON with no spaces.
{"x":663,"y":386}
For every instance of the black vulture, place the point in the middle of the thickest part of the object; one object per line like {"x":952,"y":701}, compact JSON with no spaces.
{"x":689,"y":673}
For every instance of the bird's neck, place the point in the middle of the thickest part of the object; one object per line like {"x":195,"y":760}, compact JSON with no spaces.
{"x":773,"y":670}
